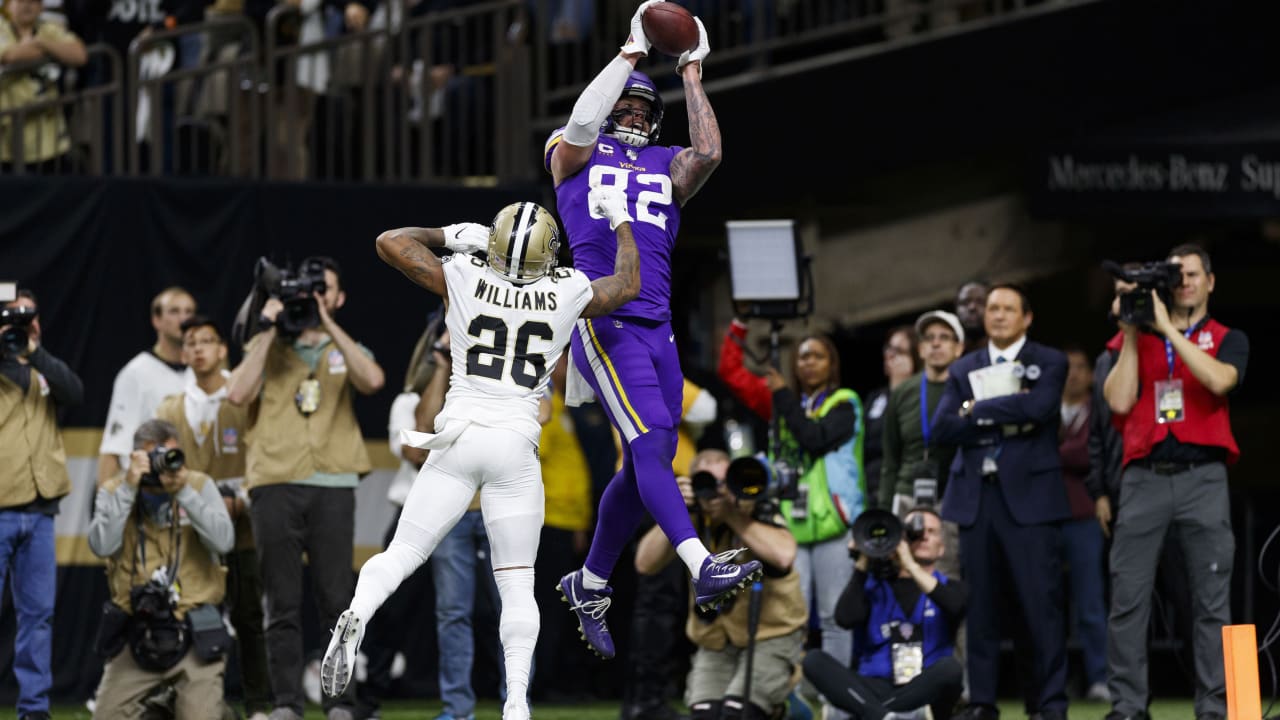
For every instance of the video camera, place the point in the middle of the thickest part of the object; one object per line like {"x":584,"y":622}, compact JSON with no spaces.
{"x":1160,"y":276}
{"x":160,"y":460}
{"x":291,"y":286}
{"x":14,"y":339}
{"x":877,"y":534}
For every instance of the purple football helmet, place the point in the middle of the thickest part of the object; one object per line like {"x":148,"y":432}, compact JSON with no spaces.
{"x":638,"y":85}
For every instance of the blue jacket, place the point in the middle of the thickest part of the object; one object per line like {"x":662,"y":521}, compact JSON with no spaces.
{"x":927,"y":625}
{"x":1019,"y":430}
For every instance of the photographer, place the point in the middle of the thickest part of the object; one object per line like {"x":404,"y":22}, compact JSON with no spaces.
{"x":1168,"y":392}
{"x":162,"y":528}
{"x":726,"y":520}
{"x":212,"y":431}
{"x":905,"y":657}
{"x":34,"y":386}
{"x":816,"y":431}
{"x":306,"y":456}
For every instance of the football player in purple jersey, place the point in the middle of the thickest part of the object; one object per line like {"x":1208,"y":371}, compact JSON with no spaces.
{"x":629,"y":358}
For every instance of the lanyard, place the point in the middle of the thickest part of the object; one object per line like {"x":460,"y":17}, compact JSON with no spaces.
{"x":924,"y":412}
{"x":812,"y":403}
{"x":1168,"y":345}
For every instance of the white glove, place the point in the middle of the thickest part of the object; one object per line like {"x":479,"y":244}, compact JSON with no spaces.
{"x":637,"y":42}
{"x":697,"y":54}
{"x":610,"y":203}
{"x":466,"y":237}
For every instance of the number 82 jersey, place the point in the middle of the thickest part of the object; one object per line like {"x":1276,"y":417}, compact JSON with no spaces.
{"x":505,"y":339}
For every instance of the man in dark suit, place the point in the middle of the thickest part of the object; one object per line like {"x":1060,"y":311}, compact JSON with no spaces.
{"x":1006,"y":494}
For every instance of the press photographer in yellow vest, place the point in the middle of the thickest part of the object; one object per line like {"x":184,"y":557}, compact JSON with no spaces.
{"x":34,"y":386}
{"x":162,"y":528}
{"x":727,"y":520}
{"x":212,"y":432}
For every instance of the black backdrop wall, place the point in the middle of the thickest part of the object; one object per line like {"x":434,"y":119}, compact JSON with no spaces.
{"x":96,"y":251}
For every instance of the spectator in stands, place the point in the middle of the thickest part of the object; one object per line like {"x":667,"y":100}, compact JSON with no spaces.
{"x":1081,"y":538}
{"x":306,"y":455}
{"x":212,"y":432}
{"x":150,"y":377}
{"x":901,"y":360}
{"x":26,"y":38}
{"x":817,"y":431}
{"x":34,"y":387}
{"x":971,"y":303}
{"x":717,"y":682}
{"x":905,"y":617}
{"x":162,"y":532}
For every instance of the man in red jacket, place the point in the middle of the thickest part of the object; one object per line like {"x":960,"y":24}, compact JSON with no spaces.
{"x":1168,"y":390}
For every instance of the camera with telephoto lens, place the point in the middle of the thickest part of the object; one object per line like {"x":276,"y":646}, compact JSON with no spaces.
{"x":876,"y":533}
{"x":162,"y":459}
{"x":1160,"y":276}
{"x":14,"y":339}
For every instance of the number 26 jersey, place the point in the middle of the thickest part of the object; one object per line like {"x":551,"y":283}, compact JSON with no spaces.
{"x":504,"y":341}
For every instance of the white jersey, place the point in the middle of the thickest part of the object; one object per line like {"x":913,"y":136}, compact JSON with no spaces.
{"x":504,"y":340}
{"x":139,"y":387}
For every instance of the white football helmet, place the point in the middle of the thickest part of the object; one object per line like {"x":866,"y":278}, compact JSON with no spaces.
{"x":523,"y":242}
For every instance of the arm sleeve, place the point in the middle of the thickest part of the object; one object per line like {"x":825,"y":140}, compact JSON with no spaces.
{"x":122,"y":417}
{"x":747,"y":387}
{"x":852,"y":609}
{"x":110,"y":515}
{"x":209,"y":517}
{"x":816,"y":436}
{"x":64,"y":384}
{"x":951,"y":598}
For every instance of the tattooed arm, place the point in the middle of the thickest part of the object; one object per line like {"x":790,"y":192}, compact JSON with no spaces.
{"x":612,"y":292}
{"x":691,"y":168}
{"x":406,"y":250}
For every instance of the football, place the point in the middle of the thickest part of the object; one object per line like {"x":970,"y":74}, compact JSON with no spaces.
{"x":670,"y":28}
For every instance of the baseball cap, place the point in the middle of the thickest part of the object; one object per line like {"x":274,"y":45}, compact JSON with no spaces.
{"x":950,"y":319}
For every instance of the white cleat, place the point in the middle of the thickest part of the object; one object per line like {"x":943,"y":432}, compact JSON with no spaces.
{"x":515,"y":709}
{"x":340,"y":658}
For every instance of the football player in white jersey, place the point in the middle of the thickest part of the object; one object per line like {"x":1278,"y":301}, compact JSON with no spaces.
{"x":509,"y":318}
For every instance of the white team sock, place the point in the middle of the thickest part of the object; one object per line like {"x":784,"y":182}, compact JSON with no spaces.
{"x":692,"y":552}
{"x":592,"y":581}
{"x":518,"y":629}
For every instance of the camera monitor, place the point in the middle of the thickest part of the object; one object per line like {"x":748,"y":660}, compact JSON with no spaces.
{"x":8,"y":291}
{"x":765,"y":265}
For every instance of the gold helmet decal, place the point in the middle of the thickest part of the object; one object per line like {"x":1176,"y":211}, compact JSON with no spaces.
{"x":523,"y":242}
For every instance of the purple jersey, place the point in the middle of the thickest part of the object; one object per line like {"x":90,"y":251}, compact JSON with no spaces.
{"x":644,"y":173}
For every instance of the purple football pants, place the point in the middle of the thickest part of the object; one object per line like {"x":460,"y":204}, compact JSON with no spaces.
{"x":634,"y":369}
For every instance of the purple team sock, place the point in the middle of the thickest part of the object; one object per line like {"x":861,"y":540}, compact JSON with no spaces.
{"x":645,"y":482}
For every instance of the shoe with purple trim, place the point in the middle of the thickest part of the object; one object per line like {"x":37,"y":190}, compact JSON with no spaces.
{"x":720,"y":578}
{"x":590,"y":606}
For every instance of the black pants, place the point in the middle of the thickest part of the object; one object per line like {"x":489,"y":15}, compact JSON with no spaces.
{"x":287,"y":521}
{"x":938,"y":686}
{"x":244,"y":598}
{"x":657,"y":639}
